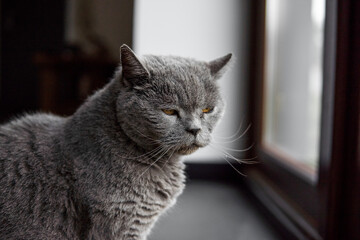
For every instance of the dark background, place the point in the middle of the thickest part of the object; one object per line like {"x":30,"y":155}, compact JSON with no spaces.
{"x":27,"y":27}
{"x":41,"y":70}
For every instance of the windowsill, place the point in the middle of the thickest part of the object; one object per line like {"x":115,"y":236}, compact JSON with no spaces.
{"x":212,"y":211}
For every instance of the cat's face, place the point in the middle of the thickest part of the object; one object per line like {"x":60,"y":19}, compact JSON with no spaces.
{"x":169,"y":102}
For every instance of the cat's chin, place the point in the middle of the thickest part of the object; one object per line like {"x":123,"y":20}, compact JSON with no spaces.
{"x":188,"y":149}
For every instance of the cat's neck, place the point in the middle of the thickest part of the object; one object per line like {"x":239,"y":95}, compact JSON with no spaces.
{"x":94,"y":126}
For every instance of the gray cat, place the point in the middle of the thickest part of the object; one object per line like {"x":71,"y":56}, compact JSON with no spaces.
{"x":111,"y":169}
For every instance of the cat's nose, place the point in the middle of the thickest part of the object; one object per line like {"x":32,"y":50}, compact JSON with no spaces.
{"x":193,"y":131}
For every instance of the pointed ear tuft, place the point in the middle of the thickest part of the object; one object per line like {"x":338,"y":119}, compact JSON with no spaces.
{"x":132,"y":69}
{"x":217,"y":66}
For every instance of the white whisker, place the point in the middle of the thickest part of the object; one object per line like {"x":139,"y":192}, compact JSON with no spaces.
{"x":232,"y":149}
{"x":228,"y":155}
{"x":234,"y":167}
{"x":168,"y":159}
{"x":149,"y":153}
{"x":246,"y":130}
{"x":243,"y":160}
{"x":235,"y":134}
{"x":154,"y":141}
{"x":144,"y":162}
{"x":152,"y":164}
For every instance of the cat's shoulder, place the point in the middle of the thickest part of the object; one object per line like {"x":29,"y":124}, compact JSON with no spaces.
{"x":37,"y":121}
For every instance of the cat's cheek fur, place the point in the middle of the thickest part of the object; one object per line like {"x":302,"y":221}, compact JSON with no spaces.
{"x":169,"y":121}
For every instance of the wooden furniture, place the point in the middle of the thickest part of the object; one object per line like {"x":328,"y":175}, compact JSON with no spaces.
{"x":66,"y":80}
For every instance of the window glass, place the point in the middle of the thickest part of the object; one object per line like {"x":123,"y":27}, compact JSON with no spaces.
{"x":293,"y":80}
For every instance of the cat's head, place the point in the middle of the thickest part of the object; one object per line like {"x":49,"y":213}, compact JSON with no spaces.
{"x":169,"y":102}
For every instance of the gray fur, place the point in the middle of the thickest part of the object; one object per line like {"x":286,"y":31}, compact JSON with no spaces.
{"x":111,"y":169}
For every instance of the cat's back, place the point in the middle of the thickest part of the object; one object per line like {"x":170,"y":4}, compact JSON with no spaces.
{"x":27,"y":156}
{"x":28,"y":134}
{"x":26,"y":141}
{"x":30,"y":124}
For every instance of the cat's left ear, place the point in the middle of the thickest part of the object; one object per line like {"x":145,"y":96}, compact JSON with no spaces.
{"x":217,"y":66}
{"x":133,"y":71}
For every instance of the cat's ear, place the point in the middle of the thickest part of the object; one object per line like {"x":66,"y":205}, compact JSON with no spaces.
{"x":133,"y":72}
{"x":217,"y":66}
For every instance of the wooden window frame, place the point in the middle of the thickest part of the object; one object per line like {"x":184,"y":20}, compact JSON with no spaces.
{"x":322,"y":207}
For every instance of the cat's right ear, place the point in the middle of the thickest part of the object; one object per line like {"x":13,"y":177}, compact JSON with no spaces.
{"x":133,"y":72}
{"x":217,"y":66}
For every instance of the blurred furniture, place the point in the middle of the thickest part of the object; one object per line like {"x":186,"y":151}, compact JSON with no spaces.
{"x":27,"y":27}
{"x":65,"y":80}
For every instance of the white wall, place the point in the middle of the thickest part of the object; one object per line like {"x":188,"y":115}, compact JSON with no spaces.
{"x":202,"y":29}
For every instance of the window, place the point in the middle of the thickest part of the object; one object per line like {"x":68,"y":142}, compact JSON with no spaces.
{"x":306,"y":108}
{"x":293,"y":81}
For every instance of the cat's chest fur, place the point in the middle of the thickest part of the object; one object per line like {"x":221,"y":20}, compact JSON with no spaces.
{"x":132,"y":201}
{"x":156,"y":192}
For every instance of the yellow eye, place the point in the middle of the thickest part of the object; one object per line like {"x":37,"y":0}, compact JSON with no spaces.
{"x":170,"y":111}
{"x":207,"y":110}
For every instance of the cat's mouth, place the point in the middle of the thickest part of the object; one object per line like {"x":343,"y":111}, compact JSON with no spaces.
{"x":188,"y":149}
